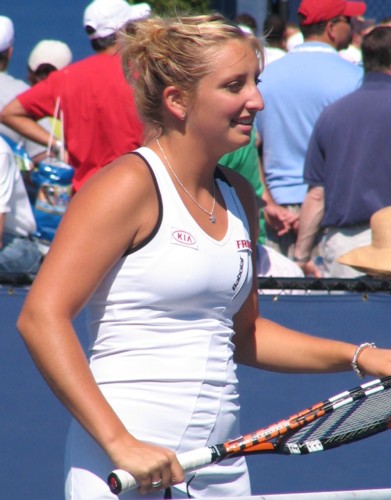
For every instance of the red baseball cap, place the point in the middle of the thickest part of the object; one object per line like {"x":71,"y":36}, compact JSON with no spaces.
{"x":316,"y":11}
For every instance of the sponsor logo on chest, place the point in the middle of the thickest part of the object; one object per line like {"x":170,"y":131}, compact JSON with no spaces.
{"x":243,"y":245}
{"x":183,"y":238}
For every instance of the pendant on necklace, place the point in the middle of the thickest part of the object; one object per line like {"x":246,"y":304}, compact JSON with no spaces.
{"x":212,"y":219}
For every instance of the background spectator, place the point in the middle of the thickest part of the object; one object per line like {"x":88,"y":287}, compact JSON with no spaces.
{"x":245,"y":160}
{"x":296,"y":89}
{"x":360,"y":26}
{"x":47,"y":56}
{"x":100,"y":118}
{"x":247,"y":23}
{"x":10,"y":87}
{"x":348,"y":164}
{"x":274,"y":33}
{"x":293,"y":35}
{"x":19,"y":253}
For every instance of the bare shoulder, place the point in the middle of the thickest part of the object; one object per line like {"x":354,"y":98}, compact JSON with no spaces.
{"x":121,"y":197}
{"x":129,"y":171}
{"x":121,"y":185}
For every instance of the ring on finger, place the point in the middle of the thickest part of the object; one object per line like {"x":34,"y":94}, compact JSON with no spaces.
{"x":156,"y":484}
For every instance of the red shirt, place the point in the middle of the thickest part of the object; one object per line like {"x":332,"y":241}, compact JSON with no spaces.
{"x":99,"y":114}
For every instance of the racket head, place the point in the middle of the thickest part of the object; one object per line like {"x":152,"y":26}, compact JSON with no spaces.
{"x":358,"y":414}
{"x":349,"y":416}
{"x":331,"y":419}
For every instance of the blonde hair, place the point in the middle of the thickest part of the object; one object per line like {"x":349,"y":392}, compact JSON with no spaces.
{"x":159,"y":52}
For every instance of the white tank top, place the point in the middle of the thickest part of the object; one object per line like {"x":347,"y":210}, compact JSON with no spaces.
{"x":162,"y":317}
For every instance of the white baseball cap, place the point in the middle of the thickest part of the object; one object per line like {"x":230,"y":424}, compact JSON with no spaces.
{"x":6,"y":33}
{"x":53,"y":52}
{"x":105,"y":17}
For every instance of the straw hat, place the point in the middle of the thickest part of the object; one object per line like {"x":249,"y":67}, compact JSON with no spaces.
{"x":376,"y":257}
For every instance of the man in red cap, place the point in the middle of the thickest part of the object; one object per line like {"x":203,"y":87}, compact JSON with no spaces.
{"x":348,"y":165}
{"x":296,"y":89}
{"x":317,"y":11}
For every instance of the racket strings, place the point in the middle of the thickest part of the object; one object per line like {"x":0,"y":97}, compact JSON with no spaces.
{"x":349,"y":421}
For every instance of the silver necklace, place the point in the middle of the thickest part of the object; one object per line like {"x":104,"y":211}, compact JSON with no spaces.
{"x":212,"y":217}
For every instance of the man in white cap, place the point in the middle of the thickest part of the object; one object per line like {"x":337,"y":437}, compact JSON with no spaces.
{"x":100,"y":117}
{"x":47,"y":56}
{"x":10,"y":87}
{"x":102,"y":18}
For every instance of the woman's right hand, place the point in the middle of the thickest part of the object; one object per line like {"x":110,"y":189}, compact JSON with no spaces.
{"x":148,"y":464}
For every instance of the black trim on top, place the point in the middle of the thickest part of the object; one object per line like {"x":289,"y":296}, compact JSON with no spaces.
{"x":160,"y":216}
{"x":219,"y":174}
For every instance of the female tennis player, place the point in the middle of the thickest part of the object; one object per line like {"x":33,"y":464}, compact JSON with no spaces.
{"x":160,"y":245}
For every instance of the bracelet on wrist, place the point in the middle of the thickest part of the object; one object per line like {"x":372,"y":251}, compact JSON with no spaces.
{"x":302,"y":260}
{"x":357,"y":353}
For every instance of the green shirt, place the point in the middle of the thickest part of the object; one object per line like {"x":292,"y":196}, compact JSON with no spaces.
{"x":245,"y":161}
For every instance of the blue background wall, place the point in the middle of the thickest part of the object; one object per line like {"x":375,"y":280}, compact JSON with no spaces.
{"x":33,"y":424}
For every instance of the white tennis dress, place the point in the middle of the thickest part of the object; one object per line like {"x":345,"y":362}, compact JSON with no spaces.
{"x":161,"y":345}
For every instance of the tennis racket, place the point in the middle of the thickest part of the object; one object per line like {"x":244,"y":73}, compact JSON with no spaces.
{"x":342,"y":419}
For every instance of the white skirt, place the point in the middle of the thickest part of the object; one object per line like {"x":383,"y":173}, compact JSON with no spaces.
{"x":168,"y":415}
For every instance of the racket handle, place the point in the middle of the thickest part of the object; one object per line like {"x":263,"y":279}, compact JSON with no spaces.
{"x":120,"y":481}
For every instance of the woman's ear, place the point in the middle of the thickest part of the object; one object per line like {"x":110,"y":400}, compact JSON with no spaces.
{"x":174,"y":102}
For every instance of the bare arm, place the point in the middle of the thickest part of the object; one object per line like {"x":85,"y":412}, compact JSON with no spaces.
{"x":311,"y":216}
{"x":16,"y":117}
{"x":45,"y":323}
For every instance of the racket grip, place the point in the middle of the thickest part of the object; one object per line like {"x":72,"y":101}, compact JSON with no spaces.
{"x":120,"y":481}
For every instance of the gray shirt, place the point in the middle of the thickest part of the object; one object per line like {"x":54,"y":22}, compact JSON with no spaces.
{"x":10,"y":88}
